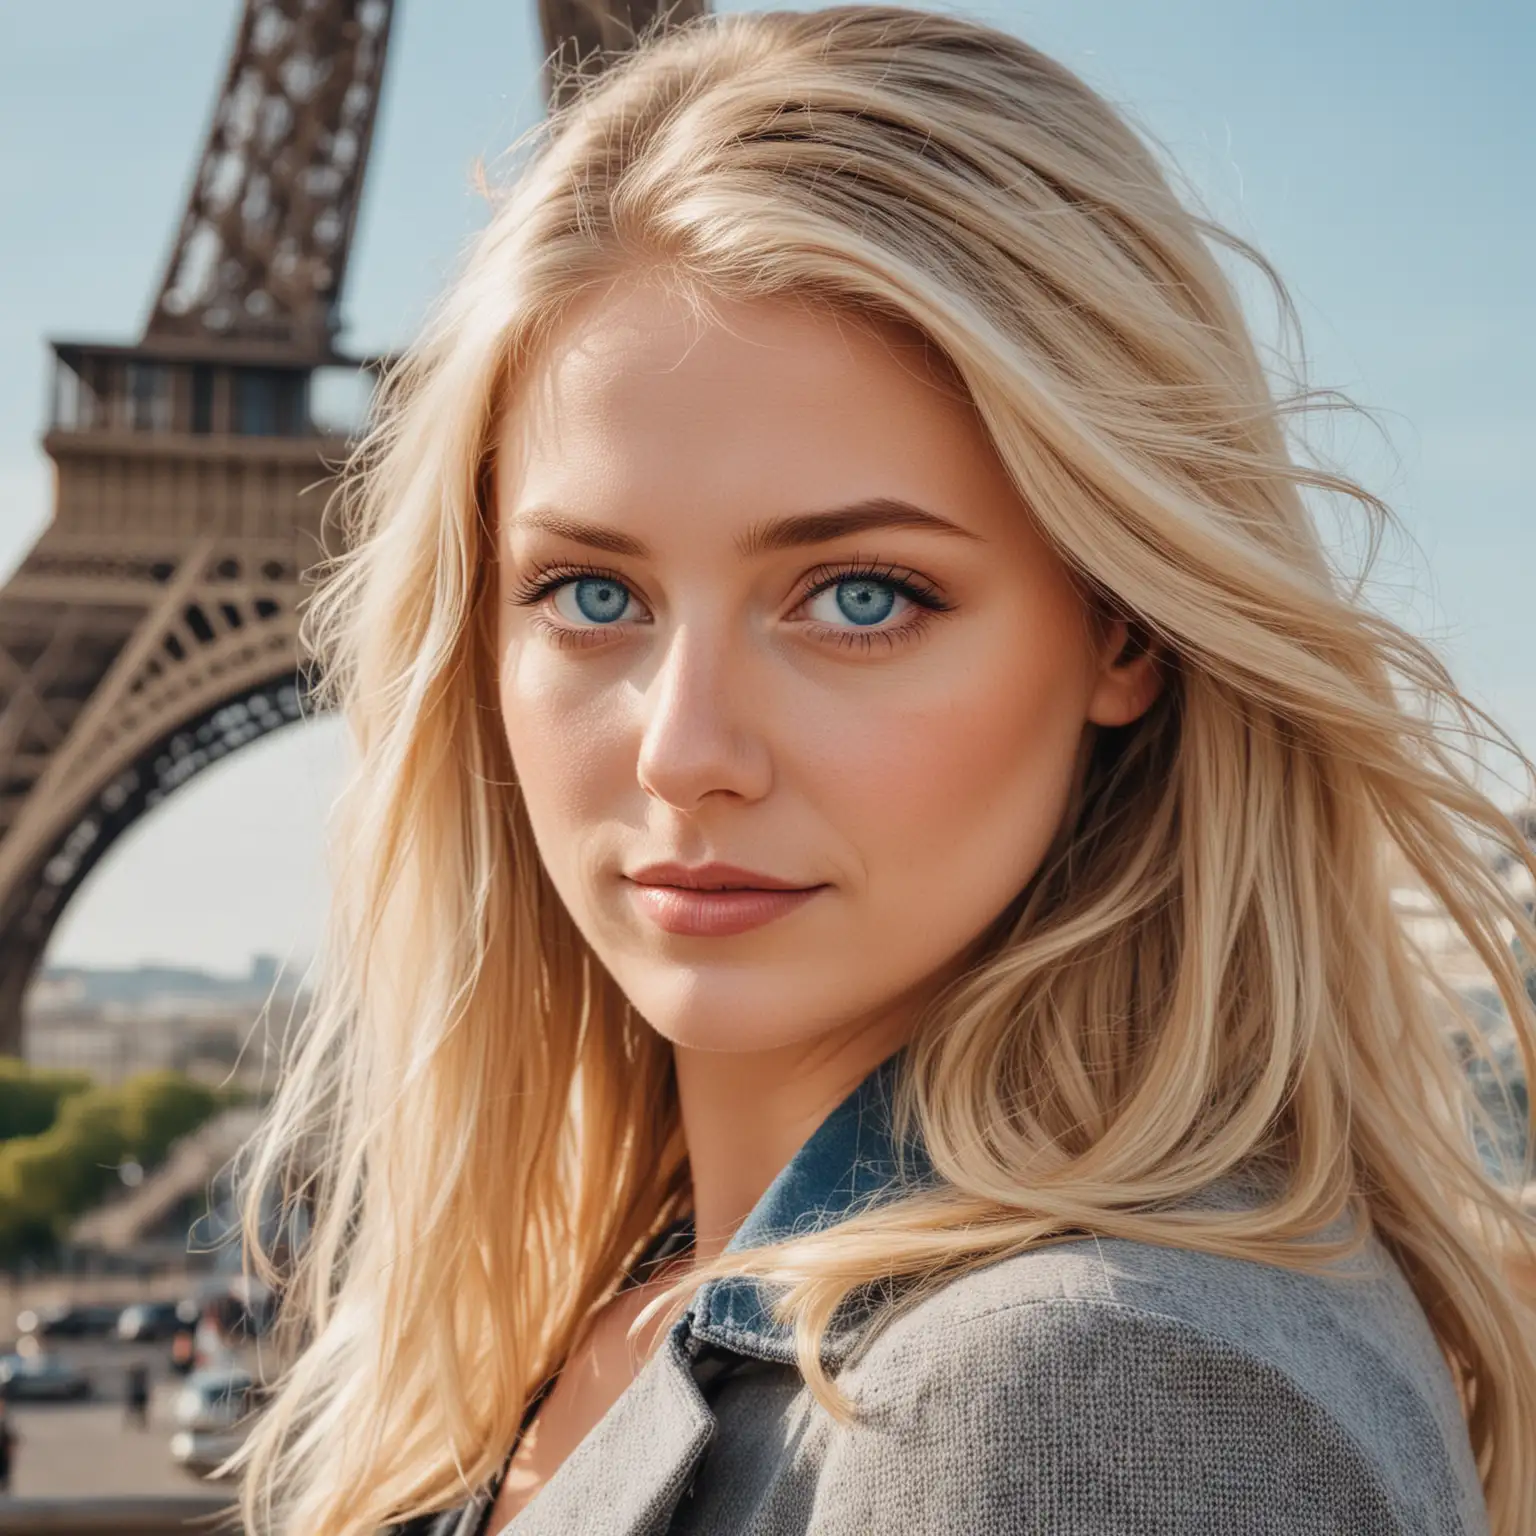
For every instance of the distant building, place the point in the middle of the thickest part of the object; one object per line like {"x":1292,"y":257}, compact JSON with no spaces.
{"x":1485,"y":1038}
{"x":264,"y":971}
{"x":113,"y":1023}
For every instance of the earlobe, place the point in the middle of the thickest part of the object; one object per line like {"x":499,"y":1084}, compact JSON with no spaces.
{"x":1130,"y":677}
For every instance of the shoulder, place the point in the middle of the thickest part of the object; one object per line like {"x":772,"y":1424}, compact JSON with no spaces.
{"x":1104,"y":1380}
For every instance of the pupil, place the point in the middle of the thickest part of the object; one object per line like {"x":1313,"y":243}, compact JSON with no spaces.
{"x":865,"y":602}
{"x":601,"y":601}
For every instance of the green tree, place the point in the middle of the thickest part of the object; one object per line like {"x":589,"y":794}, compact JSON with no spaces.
{"x":30,"y":1097}
{"x":48,"y":1178}
{"x":159,"y":1107}
{"x":64,"y":1170}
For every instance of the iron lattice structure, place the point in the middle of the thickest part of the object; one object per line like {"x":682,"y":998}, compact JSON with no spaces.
{"x":152,"y":630}
{"x":582,"y":35}
{"x":263,"y":243}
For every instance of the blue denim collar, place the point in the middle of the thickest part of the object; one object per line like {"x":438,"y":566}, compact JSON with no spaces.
{"x":849,"y":1163}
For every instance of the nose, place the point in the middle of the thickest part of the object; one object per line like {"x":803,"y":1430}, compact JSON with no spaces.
{"x":702,"y":736}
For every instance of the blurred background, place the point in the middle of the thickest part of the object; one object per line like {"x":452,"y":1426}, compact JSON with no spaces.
{"x":166,"y":791}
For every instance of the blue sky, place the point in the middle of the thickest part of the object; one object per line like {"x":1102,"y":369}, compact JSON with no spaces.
{"x":1382,"y":154}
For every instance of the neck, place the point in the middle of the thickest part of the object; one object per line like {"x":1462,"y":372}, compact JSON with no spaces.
{"x":746,"y":1114}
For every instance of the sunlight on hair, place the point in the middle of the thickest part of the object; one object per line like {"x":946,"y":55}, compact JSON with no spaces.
{"x":1206,"y":973}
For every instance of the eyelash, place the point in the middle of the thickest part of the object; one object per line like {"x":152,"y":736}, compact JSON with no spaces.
{"x":924,"y":596}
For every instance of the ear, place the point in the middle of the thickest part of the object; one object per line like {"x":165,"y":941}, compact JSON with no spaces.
{"x":1129,"y":678}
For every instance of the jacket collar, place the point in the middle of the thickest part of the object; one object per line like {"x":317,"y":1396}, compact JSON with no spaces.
{"x":630,"y":1473}
{"x":849,"y":1163}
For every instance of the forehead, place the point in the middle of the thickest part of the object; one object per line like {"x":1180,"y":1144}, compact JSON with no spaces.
{"x":650,"y":403}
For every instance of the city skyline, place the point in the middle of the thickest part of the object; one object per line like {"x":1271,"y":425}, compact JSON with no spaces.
{"x":1371,"y":152}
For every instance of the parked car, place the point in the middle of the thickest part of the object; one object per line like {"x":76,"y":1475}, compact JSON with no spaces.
{"x":215,"y":1399}
{"x":66,"y":1320}
{"x":210,"y":1411}
{"x":145,"y":1321}
{"x":42,"y":1377}
{"x":201,"y":1451}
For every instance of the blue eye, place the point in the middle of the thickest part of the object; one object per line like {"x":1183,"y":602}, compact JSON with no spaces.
{"x":859,"y":600}
{"x":592,"y":600}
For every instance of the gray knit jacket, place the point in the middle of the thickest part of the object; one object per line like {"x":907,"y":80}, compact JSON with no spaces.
{"x":1094,"y":1387}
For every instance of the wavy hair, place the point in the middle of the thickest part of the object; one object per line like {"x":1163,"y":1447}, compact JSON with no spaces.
{"x":1208,"y":968}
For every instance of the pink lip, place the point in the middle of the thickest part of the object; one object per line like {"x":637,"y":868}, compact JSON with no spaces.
{"x":713,"y":900}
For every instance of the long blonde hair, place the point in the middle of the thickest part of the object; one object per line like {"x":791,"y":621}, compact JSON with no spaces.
{"x":1208,"y":968}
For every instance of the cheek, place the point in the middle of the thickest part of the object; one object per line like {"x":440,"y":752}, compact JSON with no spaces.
{"x":957,"y":782}
{"x":566,"y":750}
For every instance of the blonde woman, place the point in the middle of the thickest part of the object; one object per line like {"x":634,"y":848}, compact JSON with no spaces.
{"x":863,"y":994}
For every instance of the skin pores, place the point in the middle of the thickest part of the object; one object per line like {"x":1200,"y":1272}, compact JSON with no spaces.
{"x":890,"y":715}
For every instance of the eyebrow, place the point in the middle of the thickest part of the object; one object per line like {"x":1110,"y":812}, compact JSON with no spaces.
{"x":775,"y":534}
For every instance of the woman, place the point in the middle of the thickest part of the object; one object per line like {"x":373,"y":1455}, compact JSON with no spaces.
{"x":863,"y":994}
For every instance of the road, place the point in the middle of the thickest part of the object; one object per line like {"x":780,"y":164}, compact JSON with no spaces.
{"x":88,"y":1449}
{"x":84,"y":1450}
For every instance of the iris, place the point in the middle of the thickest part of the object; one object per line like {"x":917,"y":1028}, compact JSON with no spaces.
{"x":599,"y":600}
{"x":865,"y":601}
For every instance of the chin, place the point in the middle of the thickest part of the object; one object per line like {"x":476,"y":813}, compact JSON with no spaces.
{"x":736,"y":1009}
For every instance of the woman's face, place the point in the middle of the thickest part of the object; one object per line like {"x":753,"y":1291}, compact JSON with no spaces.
{"x":769,"y":603}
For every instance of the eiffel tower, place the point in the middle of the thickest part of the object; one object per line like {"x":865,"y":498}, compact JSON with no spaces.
{"x":152,"y":629}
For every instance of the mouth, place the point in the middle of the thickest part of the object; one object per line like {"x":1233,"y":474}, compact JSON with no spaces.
{"x":714,"y":900}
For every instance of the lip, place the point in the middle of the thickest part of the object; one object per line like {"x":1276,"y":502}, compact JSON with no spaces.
{"x":699,"y":877}
{"x":713,"y":900}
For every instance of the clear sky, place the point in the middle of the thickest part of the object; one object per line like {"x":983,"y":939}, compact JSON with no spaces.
{"x":1381,"y":152}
